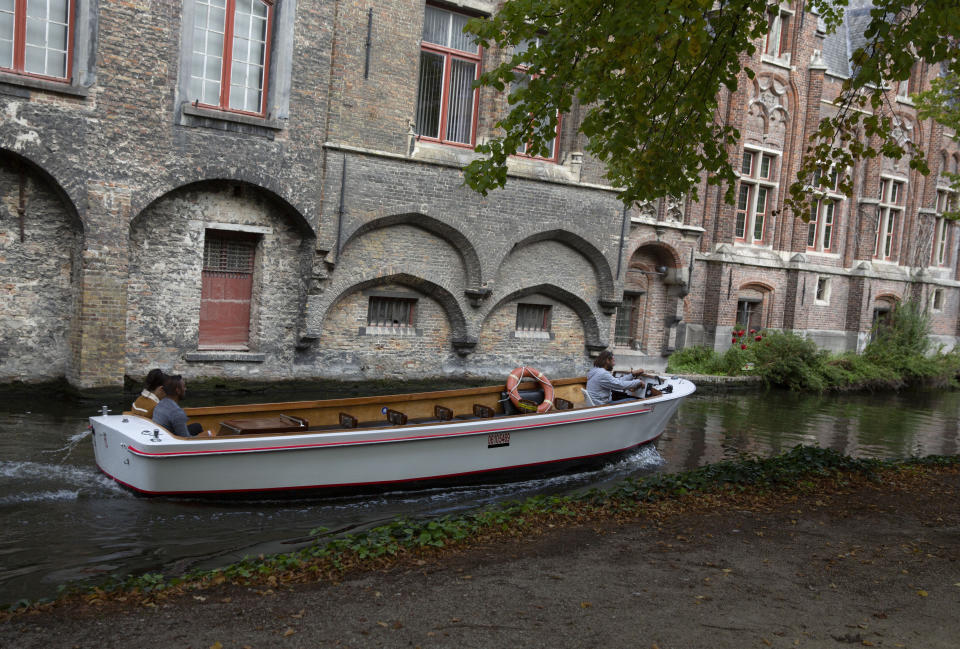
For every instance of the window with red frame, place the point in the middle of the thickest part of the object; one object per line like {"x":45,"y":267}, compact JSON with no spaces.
{"x":36,"y":37}
{"x":521,"y":79}
{"x":229,"y":62}
{"x":449,"y":64}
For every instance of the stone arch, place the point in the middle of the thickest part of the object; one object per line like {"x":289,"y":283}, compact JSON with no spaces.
{"x":459,"y":242}
{"x":662,"y":250}
{"x":41,"y":264}
{"x":72,"y":202}
{"x":296,"y":218}
{"x":68,"y":180}
{"x":592,"y":254}
{"x":591,"y":327}
{"x":441,"y":295}
{"x":165,"y":320}
{"x":241,"y":177}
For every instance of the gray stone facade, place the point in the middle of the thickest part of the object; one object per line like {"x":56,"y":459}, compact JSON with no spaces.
{"x":117,"y":179}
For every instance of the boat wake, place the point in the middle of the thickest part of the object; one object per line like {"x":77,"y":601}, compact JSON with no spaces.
{"x":72,"y":442}
{"x":71,"y":482}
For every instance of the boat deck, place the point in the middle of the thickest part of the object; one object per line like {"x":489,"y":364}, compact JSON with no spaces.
{"x":415,"y":409}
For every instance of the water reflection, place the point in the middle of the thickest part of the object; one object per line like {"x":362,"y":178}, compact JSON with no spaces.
{"x":65,"y":521}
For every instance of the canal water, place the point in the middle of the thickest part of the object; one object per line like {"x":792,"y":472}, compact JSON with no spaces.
{"x":65,"y":522}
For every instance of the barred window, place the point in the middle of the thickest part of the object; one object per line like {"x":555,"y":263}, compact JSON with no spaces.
{"x":229,"y":255}
{"x":391,"y":312}
{"x":533,"y":317}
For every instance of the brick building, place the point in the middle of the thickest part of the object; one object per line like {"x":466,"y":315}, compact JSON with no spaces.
{"x":273,"y":189}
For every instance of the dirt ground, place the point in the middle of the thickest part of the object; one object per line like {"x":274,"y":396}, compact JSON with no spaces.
{"x":874,"y":565}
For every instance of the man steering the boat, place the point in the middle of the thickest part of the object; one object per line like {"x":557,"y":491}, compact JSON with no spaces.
{"x":601,"y":383}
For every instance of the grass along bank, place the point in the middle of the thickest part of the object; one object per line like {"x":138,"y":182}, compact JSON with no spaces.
{"x":899,"y":355}
{"x":743,"y":483}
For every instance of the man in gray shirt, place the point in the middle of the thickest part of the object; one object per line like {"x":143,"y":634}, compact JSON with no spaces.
{"x":601,"y":383}
{"x":168,"y":412}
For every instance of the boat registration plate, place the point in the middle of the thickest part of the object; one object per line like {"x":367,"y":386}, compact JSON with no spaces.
{"x":496,"y":440}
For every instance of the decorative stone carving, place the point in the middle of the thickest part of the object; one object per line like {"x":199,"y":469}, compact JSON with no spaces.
{"x":675,"y":207}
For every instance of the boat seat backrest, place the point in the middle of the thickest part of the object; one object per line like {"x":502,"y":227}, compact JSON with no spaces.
{"x":586,"y":397}
{"x":559,"y":403}
{"x":443,"y":413}
{"x":483,"y":411}
{"x":396,"y":418}
{"x":348,"y":420}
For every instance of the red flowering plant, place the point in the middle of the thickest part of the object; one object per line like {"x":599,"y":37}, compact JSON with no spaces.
{"x":741,"y":356}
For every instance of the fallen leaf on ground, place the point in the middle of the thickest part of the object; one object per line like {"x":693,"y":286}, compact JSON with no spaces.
{"x":289,"y":632}
{"x":585,"y":604}
{"x":922,"y":593}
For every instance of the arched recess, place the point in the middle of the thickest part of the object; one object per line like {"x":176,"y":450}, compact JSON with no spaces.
{"x":237,"y":177}
{"x":66,"y":180}
{"x":755,"y":305}
{"x":41,"y":244}
{"x":649,"y":310}
{"x":882,"y":310}
{"x":591,"y":327}
{"x":449,"y":303}
{"x":246,"y":298}
{"x":460,"y":243}
{"x":593,"y":255}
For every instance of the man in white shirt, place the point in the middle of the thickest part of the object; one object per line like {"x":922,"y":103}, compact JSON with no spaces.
{"x":601,"y":383}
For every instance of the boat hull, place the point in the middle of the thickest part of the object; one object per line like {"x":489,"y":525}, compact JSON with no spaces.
{"x":135,"y":453}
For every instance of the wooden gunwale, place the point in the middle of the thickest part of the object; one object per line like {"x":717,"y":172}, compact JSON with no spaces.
{"x":323,"y":413}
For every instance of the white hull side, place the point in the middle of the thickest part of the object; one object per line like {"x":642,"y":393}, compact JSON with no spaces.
{"x":128,"y":451}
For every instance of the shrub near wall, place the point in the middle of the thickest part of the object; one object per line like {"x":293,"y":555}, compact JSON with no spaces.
{"x":898,"y":356}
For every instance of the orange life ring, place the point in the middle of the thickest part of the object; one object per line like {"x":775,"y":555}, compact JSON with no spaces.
{"x":517,"y":375}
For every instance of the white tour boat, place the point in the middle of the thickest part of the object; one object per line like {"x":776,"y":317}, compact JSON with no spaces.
{"x":406,"y":441}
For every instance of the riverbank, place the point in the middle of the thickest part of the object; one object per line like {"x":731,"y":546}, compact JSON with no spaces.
{"x":839,"y":559}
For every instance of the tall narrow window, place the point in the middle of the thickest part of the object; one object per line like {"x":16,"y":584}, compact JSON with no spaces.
{"x":35,"y":37}
{"x":449,"y":64}
{"x":758,"y":183}
{"x":820,"y":229}
{"x":946,"y":202}
{"x":623,"y":330}
{"x":889,"y":218}
{"x":778,"y":21}
{"x":227,"y":289}
{"x":521,"y":80}
{"x":231,"y":40}
{"x":749,"y":312}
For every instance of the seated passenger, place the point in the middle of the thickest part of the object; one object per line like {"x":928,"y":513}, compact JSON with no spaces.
{"x":601,"y":383}
{"x":151,"y":395}
{"x":168,"y":412}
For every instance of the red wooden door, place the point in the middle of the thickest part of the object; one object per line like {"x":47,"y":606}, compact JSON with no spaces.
{"x":226,"y":290}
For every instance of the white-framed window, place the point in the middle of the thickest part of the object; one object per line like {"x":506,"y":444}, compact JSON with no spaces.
{"x":823,"y":290}
{"x":757,"y":192}
{"x":946,"y":202}
{"x":449,"y":64}
{"x":36,"y":37}
{"x":230,"y":54}
{"x":824,"y":212}
{"x":936,"y":299}
{"x":892,"y":197}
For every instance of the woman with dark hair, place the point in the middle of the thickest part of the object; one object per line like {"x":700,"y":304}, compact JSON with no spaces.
{"x":151,"y":395}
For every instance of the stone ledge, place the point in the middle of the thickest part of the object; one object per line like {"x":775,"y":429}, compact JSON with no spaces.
{"x":212,"y":357}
